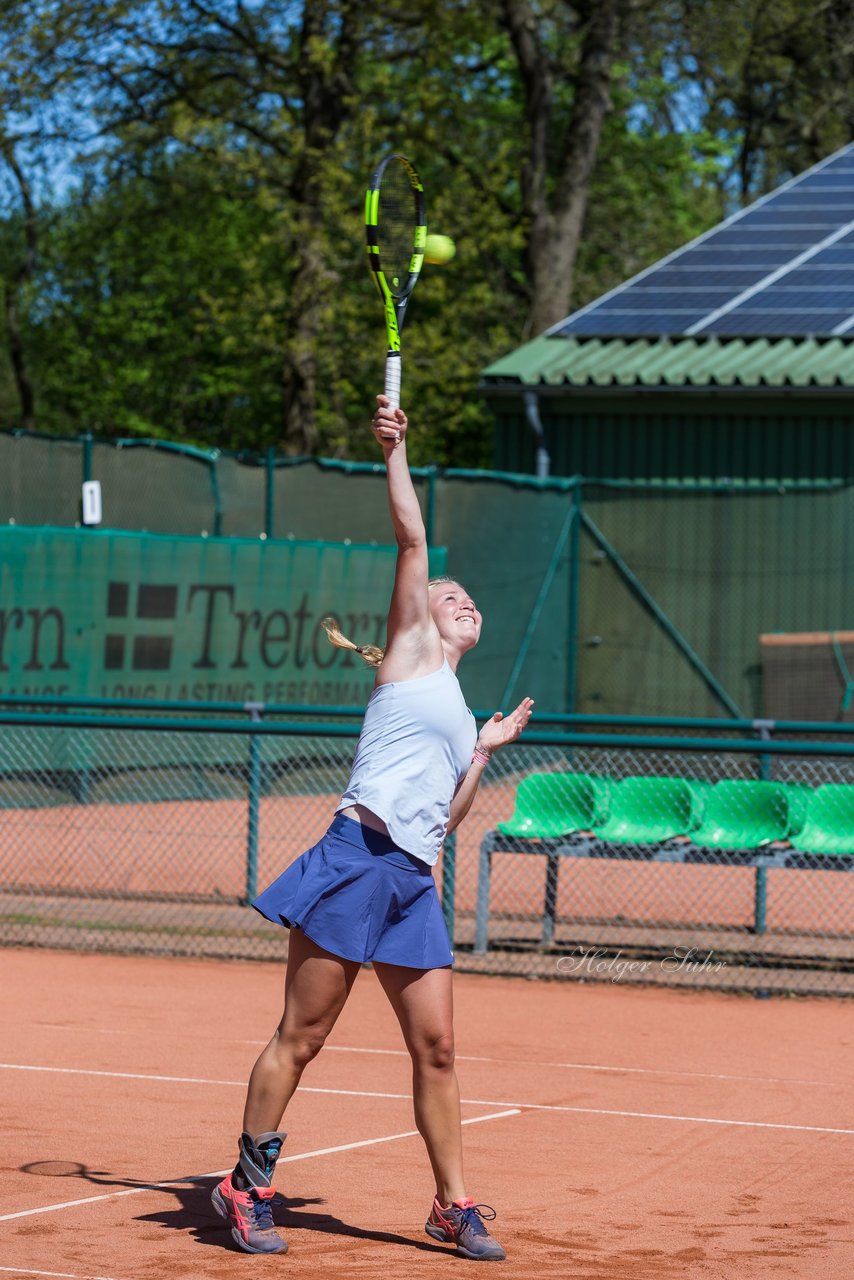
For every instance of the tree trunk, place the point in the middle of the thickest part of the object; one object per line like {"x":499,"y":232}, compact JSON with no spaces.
{"x":14,"y":283}
{"x":17,"y":358}
{"x":327,"y":95}
{"x":299,"y":357}
{"x":556,"y":221}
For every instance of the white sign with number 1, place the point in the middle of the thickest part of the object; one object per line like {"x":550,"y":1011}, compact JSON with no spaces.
{"x":92,"y":502}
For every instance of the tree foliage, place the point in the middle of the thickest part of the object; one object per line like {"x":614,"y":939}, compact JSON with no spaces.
{"x":181,"y":186}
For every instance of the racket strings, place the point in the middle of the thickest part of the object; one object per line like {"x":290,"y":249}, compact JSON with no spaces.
{"x":396,"y":222}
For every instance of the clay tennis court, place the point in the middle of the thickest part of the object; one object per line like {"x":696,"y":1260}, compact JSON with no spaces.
{"x":621,"y":1133}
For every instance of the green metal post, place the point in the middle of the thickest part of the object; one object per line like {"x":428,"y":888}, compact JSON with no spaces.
{"x":760,"y":887}
{"x":550,"y":900}
{"x":430,"y":516}
{"x":81,"y":785}
{"x":217,"y":496}
{"x":254,"y":803}
{"x":766,"y":761}
{"x":760,"y":900}
{"x":269,"y":492}
{"x":573,"y":598}
{"x":87,"y":456}
{"x":449,"y":881}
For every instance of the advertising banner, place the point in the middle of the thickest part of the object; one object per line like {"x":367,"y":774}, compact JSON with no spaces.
{"x":86,"y":613}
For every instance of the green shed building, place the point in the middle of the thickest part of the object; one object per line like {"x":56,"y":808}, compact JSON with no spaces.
{"x":704,"y":409}
{"x":765,"y":409}
{"x":731,"y":358}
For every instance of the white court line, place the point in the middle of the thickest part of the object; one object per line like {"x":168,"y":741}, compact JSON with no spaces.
{"x":595,"y":1111}
{"x":117,"y":1075}
{"x":407,"y":1097}
{"x":656,"y":1115}
{"x":589,"y":1066}
{"x":64,"y":1275}
{"x":536,"y":1062}
{"x":220,"y":1173}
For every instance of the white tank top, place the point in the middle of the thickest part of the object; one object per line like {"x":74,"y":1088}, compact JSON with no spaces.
{"x":413,"y":752}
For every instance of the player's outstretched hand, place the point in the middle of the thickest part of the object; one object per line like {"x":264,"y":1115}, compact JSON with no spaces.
{"x":501,"y":729}
{"x":389,"y":425}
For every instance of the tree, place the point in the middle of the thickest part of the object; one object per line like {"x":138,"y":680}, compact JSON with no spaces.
{"x":260,"y":91}
{"x":165,"y":311}
{"x":776,"y":77}
{"x":19,"y":263}
{"x":202,"y":273}
{"x":560,"y":157}
{"x":262,"y":101}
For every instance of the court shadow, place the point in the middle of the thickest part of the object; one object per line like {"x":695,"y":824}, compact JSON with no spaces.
{"x":79,"y":1172}
{"x":195,"y":1215}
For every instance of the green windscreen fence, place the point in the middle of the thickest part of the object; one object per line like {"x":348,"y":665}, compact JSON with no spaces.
{"x":598,"y":596}
{"x":511,"y":546}
{"x":680,"y":592}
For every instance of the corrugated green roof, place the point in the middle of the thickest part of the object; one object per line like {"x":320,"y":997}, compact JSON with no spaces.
{"x":678,"y":362}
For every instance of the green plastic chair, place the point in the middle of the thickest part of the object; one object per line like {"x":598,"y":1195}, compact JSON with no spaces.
{"x":829,"y":824}
{"x":798,"y":796}
{"x":647,"y":811}
{"x":744,"y":815}
{"x":699,"y":788}
{"x":556,"y":804}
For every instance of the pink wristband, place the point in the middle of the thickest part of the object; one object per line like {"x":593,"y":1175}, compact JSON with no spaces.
{"x":480,"y":756}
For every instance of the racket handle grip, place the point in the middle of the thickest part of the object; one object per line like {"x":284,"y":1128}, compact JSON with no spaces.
{"x":392,"y":379}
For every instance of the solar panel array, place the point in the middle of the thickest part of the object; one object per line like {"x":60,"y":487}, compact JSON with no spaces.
{"x":783,"y":266}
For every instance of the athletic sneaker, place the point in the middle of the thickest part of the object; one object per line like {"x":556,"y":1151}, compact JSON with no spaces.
{"x":243,"y":1198}
{"x":462,"y":1224}
{"x":249,"y":1215}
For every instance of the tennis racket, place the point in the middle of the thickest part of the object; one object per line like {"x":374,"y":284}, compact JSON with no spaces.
{"x":396,"y":234}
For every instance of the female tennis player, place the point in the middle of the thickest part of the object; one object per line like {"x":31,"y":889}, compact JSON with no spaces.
{"x":366,"y":891}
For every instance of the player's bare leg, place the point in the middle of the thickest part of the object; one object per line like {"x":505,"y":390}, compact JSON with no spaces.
{"x":317,"y":985}
{"x":423,"y":1002}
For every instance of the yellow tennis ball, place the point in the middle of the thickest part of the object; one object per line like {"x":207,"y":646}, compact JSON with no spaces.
{"x":439,"y":249}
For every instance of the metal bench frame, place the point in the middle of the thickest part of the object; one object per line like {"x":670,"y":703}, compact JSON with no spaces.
{"x":777,"y":856}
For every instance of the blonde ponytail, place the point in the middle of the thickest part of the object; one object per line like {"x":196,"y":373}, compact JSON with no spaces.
{"x":369,"y":653}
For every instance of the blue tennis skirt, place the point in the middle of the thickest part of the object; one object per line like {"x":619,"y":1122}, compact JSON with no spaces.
{"x":359,"y":896}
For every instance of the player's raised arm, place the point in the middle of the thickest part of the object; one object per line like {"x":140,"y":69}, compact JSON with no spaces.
{"x":413,"y":646}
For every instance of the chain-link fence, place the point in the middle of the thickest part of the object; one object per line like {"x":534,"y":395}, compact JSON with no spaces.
{"x":721,"y":860}
{"x":702,"y":599}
